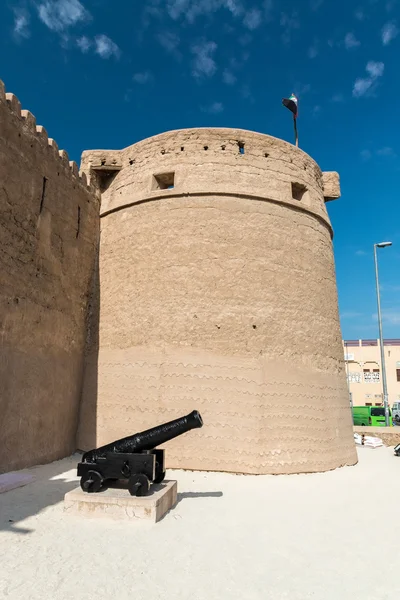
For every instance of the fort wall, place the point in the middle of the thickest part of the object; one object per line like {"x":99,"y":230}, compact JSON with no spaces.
{"x":49,"y":230}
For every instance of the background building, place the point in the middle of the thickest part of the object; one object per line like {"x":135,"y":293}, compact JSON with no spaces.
{"x":363,"y":366}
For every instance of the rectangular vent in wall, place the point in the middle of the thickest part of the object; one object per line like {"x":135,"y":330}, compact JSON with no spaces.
{"x":163,"y":181}
{"x":298,"y":191}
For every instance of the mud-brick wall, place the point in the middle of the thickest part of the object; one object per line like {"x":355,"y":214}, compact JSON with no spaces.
{"x":48,"y":241}
{"x":218,"y":293}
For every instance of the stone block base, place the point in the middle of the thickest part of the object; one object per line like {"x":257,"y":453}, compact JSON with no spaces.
{"x":118,"y":504}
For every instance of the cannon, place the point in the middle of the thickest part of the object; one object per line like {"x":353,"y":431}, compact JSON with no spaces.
{"x":134,"y":458}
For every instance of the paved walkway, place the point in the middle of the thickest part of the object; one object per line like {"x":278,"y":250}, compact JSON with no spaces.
{"x":331,"y":536}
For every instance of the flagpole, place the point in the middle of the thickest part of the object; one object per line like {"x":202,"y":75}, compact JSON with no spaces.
{"x":296,"y":135}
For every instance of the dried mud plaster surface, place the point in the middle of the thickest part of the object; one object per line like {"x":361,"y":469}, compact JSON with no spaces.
{"x":48,"y":243}
{"x":218,"y":294}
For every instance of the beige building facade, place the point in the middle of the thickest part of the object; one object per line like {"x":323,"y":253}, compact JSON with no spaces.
{"x":364,"y":371}
{"x":191,"y":270}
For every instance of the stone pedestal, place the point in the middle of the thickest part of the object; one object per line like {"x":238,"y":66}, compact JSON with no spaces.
{"x":118,"y":504}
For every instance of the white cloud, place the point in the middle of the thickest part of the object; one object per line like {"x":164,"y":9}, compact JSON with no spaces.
{"x":21,"y":22}
{"x":389,"y":288}
{"x":191,"y":9}
{"x":234,"y":6}
{"x":350,"y":314}
{"x":58,"y":15}
{"x":168,"y":40}
{"x":83,"y":43}
{"x":289,"y":22}
{"x":361,"y":252}
{"x":350,"y":41}
{"x":389,"y":32}
{"x":252,"y":19}
{"x":375,"y":69}
{"x":204,"y":64}
{"x":215,"y":108}
{"x":365,"y":154}
{"x":105,"y":47}
{"x":228,"y":77}
{"x":338,"y":98}
{"x":390,"y":316}
{"x":177,"y":7}
{"x":268,"y":6}
{"x":300,"y":89}
{"x":365,"y":85}
{"x":390,"y":5}
{"x":359,"y":14}
{"x":386,"y":151}
{"x":246,"y":93}
{"x":315,"y":4}
{"x":143,"y":78}
{"x":313,"y":50}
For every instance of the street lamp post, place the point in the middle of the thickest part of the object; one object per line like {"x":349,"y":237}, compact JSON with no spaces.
{"x":384,"y":383}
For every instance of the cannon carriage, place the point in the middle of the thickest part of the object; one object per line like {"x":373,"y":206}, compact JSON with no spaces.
{"x":134,"y":459}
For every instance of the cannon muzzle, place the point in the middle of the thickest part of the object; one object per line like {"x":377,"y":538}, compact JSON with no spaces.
{"x":149,"y":439}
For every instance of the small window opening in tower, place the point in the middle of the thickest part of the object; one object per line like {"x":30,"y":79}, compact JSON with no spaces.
{"x":241,"y":147}
{"x":164,"y":181}
{"x":298,"y":191}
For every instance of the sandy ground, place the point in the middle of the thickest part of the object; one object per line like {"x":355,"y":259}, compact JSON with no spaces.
{"x":326,"y":536}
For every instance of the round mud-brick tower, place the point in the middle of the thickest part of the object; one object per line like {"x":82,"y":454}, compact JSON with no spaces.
{"x":216,"y":291}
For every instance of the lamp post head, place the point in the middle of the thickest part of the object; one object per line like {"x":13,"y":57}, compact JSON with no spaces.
{"x":383,"y":244}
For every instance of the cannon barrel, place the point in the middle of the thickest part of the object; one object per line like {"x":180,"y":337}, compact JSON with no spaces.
{"x":149,"y":439}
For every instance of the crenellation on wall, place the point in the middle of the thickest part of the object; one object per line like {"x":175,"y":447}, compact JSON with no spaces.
{"x":63,"y":154}
{"x":29,"y":127}
{"x":13,"y":103}
{"x":74,"y":168}
{"x":53,"y":144}
{"x":43,"y":136}
{"x":30,"y":120}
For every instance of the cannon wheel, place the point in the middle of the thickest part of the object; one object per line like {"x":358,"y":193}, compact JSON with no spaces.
{"x":159,"y":478}
{"x":91,"y":482}
{"x":138,"y":485}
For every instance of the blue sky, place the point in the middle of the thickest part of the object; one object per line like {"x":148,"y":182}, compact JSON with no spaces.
{"x":102,"y":74}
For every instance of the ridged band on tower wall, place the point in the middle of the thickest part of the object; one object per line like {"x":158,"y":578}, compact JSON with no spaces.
{"x":218,"y":292}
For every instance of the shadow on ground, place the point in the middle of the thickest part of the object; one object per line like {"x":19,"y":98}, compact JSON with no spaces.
{"x":48,"y":489}
{"x":183,"y":495}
